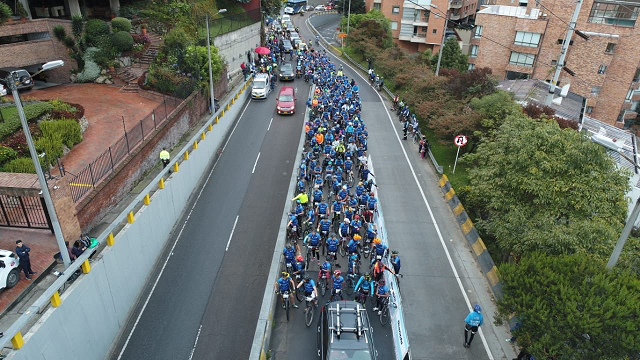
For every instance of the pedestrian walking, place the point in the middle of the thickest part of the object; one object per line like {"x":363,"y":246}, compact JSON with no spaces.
{"x":164,"y":157}
{"x":23,"y":253}
{"x":472,"y":322}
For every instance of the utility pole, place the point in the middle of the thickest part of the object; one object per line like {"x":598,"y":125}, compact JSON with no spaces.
{"x":563,"y":53}
{"x":349,"y":17}
{"x":444,"y":31}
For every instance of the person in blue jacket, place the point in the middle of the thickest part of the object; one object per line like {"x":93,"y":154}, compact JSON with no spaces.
{"x":284,"y":285}
{"x":472,"y":322}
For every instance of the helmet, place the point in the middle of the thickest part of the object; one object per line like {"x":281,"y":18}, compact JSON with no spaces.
{"x":298,"y":201}
{"x":367,"y":277}
{"x":346,"y":220}
{"x":307,"y":278}
{"x":394,"y":252}
{"x":372,"y":194}
{"x":328,"y":258}
{"x":289,"y":246}
{"x":360,"y":183}
{"x":354,"y":256}
{"x":344,"y":187}
{"x":285,"y":274}
{"x":337,"y":273}
{"x":357,"y":217}
{"x":381,"y":282}
{"x":477,"y":308}
{"x":377,"y":241}
{"x":357,"y":237}
{"x":300,"y":258}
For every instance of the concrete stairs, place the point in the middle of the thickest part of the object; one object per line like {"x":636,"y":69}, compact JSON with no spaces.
{"x":128,"y":77}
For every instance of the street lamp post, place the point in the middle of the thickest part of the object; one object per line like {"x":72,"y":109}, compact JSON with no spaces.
{"x":349,"y":17}
{"x":444,"y":31}
{"x":13,"y":81}
{"x":213,"y":103}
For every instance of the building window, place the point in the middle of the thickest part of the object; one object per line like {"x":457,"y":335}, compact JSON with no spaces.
{"x":636,"y":77}
{"x":610,"y":48}
{"x":560,"y":42}
{"x":376,"y":6}
{"x":521,"y":59}
{"x":554,"y":62}
{"x":394,"y":25}
{"x":395,"y":10}
{"x":424,"y":29}
{"x":614,"y":14}
{"x":474,"y":51}
{"x":589,"y":109}
{"x":426,"y":15}
{"x":478,"y":32}
{"x":529,"y":39}
{"x":595,"y":90}
{"x":602,"y":69}
{"x":435,"y":31}
{"x":471,"y":66}
{"x":523,"y":2}
{"x":629,"y":95}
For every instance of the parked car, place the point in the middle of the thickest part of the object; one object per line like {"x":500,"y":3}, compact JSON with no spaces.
{"x":3,"y":90}
{"x":9,"y":273}
{"x":261,"y":86}
{"x":287,"y":72}
{"x":344,"y":332}
{"x":25,"y":80}
{"x":309,"y":8}
{"x":321,"y":8}
{"x":286,"y":101}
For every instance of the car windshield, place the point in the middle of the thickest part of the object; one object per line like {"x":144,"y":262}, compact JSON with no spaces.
{"x":259,"y":84}
{"x":286,"y":97}
{"x":349,"y":355}
{"x":286,"y":68}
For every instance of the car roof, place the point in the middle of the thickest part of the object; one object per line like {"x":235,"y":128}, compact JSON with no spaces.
{"x":5,"y":253}
{"x":261,"y":76}
{"x":348,"y":320}
{"x":286,"y":90}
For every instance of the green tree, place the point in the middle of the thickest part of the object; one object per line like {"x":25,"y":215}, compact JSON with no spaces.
{"x":495,"y":108}
{"x":570,"y":307}
{"x":538,"y":187}
{"x":452,"y":56}
{"x":357,"y":7}
{"x":356,"y":19}
{"x":369,"y":38}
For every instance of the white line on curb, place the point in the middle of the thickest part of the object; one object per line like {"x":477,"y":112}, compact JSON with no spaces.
{"x":232,"y":230}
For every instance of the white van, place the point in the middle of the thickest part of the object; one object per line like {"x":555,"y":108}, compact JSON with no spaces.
{"x":286,"y":18}
{"x":261,"y":86}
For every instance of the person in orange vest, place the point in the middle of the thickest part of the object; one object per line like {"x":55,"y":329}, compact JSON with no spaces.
{"x":306,"y":128}
{"x":314,"y":102}
{"x":319,"y":138}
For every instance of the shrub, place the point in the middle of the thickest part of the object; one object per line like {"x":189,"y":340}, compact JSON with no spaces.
{"x":122,"y":41}
{"x":120,"y":24}
{"x":19,"y":165}
{"x":5,"y":12}
{"x":34,"y":111}
{"x":59,"y":105}
{"x":176,"y":39}
{"x":6,"y":154}
{"x":59,"y":32}
{"x":18,"y":142}
{"x":91,"y":70}
{"x":67,"y":129}
{"x":51,"y":145}
{"x":21,"y":11}
{"x":94,"y":29}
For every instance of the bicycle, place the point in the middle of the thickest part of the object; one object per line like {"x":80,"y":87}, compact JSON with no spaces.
{"x":383,"y":312}
{"x":308,"y":310}
{"x":350,"y":284}
{"x":322,"y":284}
{"x":336,"y":295}
{"x":286,"y":302}
{"x":312,"y":254}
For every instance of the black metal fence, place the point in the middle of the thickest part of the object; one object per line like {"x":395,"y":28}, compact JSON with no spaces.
{"x":24,"y":211}
{"x":230,"y":22}
{"x":88,"y":178}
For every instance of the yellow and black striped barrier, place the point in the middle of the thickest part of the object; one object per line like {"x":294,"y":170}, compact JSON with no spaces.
{"x":480,"y":251}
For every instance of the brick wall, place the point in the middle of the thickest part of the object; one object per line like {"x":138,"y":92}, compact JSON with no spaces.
{"x":38,"y":51}
{"x":65,"y":209}
{"x":107,"y":195}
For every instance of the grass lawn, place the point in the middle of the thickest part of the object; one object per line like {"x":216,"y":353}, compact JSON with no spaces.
{"x":8,"y":111}
{"x":445,"y":155}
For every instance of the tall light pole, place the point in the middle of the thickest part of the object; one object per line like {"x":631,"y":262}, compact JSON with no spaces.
{"x":13,"y":80}
{"x":444,"y":31}
{"x":213,"y":103}
{"x":349,"y":17}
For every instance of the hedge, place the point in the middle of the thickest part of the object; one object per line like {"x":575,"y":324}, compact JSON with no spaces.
{"x":122,"y":41}
{"x":94,"y":29}
{"x":68,"y":130}
{"x":120,"y":24}
{"x":20,"y":165}
{"x":7,"y":154}
{"x":32,"y":113}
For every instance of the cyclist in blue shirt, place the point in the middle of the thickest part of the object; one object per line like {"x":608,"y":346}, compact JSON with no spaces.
{"x":360,"y":189}
{"x":313,"y":239}
{"x":284,"y":285}
{"x":325,"y":268}
{"x":377,"y":249}
{"x":299,"y":267}
{"x":354,"y":244}
{"x":472,"y":322}
{"x":356,"y":224}
{"x":310,"y":289}
{"x":382,"y":296}
{"x":349,"y":212}
{"x":343,"y":194}
{"x":345,"y":229}
{"x":311,"y":217}
{"x":372,"y":202}
{"x":289,"y":253}
{"x":317,"y":195}
{"x":332,"y":246}
{"x":353,"y":262}
{"x":293,"y":223}
{"x":372,"y":231}
{"x":322,"y":210}
{"x":336,"y":209}
{"x":363,"y":288}
{"x":336,"y":283}
{"x":395,"y":261}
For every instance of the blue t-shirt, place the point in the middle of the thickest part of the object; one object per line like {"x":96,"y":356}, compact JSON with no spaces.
{"x":326,"y":266}
{"x":382,"y":290}
{"x":366,"y":285}
{"x":474,"y":319}
{"x":337,"y":282}
{"x":332,"y":244}
{"x":313,"y":238}
{"x":372,"y":202}
{"x":380,"y":248}
{"x":337,"y":206}
{"x":284,"y":284}
{"x":308,"y":286}
{"x":396,"y":264}
{"x":325,"y":224}
{"x":352,"y":245}
{"x":317,"y":195}
{"x":322,"y":208}
{"x":344,"y":229}
{"x":289,"y":254}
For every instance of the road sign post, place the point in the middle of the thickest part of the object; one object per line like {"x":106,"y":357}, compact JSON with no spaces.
{"x":460,"y":141}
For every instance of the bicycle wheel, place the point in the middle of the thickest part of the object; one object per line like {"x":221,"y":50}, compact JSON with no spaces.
{"x":300,"y":294}
{"x":343,"y":249}
{"x":350,"y":286}
{"x":309,"y":314}
{"x":286,"y":307}
{"x":306,"y":264}
{"x":384,"y":316}
{"x":323,"y":287}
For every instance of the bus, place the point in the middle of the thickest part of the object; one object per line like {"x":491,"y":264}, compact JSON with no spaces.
{"x":294,"y":6}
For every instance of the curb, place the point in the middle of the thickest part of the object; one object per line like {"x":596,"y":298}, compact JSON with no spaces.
{"x":472,"y":236}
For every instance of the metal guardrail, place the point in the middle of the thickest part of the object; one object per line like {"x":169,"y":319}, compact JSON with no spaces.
{"x":13,"y":333}
{"x":327,"y":45}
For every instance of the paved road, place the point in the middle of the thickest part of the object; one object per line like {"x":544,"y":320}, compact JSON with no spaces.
{"x":206,"y":293}
{"x":440,"y":276}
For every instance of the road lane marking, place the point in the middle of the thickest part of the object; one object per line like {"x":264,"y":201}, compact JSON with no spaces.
{"x":270,"y":121}
{"x":256,"y":163}
{"x":196,"y":343}
{"x":424,"y":199}
{"x":166,"y":261}
{"x":232,"y":231}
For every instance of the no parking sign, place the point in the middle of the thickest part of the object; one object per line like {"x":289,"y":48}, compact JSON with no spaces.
{"x":460,"y":141}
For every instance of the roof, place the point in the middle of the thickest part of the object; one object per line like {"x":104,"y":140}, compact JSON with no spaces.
{"x":535,"y":91}
{"x":623,"y":140}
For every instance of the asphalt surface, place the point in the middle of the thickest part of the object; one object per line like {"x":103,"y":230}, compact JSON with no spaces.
{"x":440,"y":276}
{"x":207,"y":301}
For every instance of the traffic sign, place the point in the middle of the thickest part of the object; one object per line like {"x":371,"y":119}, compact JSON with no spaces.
{"x":342,"y":35}
{"x":460,"y":140}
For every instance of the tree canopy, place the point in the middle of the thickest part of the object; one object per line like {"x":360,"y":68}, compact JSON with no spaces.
{"x":356,"y":19}
{"x":538,"y":187}
{"x":357,"y":7}
{"x":570,"y":307}
{"x":452,"y":56}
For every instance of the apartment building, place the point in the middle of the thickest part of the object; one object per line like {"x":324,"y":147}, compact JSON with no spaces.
{"x":520,"y":39}
{"x":418,"y":25}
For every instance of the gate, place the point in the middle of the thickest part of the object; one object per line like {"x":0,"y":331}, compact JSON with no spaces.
{"x":24,"y":211}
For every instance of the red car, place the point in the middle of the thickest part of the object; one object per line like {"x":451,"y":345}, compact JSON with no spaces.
{"x":286,"y":101}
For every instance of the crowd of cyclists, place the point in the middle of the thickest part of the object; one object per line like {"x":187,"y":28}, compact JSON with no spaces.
{"x":333,"y":211}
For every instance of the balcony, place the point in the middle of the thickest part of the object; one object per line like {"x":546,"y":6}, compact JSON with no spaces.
{"x":414,"y":38}
{"x":456,"y":4}
{"x":454,"y":16}
{"x":629,"y":115}
{"x":635,"y":96}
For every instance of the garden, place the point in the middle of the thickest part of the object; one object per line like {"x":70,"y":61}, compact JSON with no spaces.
{"x":55,"y":127}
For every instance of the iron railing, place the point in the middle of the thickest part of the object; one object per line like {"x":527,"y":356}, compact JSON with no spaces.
{"x":93,"y":174}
